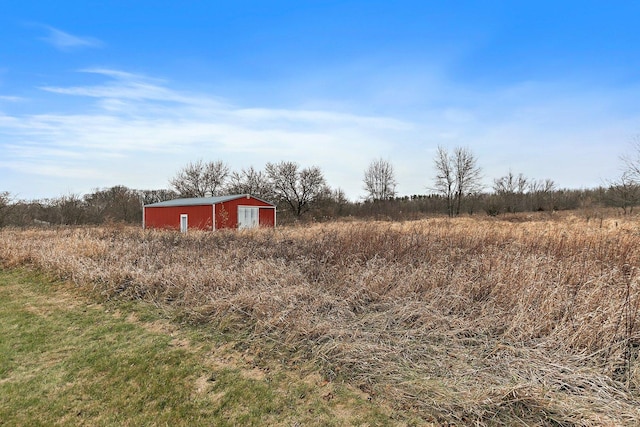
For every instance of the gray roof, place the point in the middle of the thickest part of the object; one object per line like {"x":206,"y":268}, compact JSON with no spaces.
{"x":200,"y":201}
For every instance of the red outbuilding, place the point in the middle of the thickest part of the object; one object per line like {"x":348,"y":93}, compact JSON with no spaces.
{"x":210,"y":213}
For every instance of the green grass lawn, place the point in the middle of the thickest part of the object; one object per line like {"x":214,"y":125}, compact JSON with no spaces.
{"x":68,"y":360}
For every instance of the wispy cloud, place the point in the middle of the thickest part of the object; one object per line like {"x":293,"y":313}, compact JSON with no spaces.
{"x":137,"y":131}
{"x":9,"y":98}
{"x":130,"y":86}
{"x":134,"y":117}
{"x":66,"y":42}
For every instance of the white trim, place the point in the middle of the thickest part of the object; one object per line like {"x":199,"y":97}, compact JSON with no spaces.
{"x":213,"y":217}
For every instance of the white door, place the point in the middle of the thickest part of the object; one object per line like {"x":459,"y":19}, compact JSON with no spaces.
{"x":247,"y":217}
{"x":184,"y":223}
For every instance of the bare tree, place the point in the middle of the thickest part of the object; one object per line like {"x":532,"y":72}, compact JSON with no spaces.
{"x":468,"y":175}
{"x":339,"y":197}
{"x":5,"y":204}
{"x":457,"y":176}
{"x":542,"y":186}
{"x":631,"y":162}
{"x":199,"y":178}
{"x":445,"y":178}
{"x":379,"y":180}
{"x":68,"y":210}
{"x":295,"y":187}
{"x":510,"y":184}
{"x":251,"y":181}
{"x":624,"y":193}
{"x":542,"y":192}
{"x":117,"y":203}
{"x":154,"y":196}
{"x":510,"y":190}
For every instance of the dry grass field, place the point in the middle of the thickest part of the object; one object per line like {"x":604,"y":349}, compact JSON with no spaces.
{"x":470,"y":321}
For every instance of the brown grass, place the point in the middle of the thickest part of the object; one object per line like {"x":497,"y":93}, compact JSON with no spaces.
{"x":466,"y":321}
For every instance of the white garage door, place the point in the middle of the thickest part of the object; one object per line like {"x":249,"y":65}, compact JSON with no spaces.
{"x":247,"y":217}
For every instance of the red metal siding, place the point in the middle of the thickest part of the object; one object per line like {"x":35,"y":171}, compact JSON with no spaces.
{"x":199,"y":217}
{"x":227,"y":212}
{"x":267,"y":217}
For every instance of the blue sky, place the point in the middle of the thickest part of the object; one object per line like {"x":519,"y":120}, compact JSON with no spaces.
{"x":96,"y":94}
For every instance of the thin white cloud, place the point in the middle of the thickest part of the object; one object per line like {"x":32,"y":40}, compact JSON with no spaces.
{"x":139,"y":117}
{"x":137,"y":131}
{"x":64,"y":41}
{"x":155,"y":106}
{"x":9,"y":98}
{"x":130,"y":86}
{"x":118,"y":74}
{"x":317,"y":116}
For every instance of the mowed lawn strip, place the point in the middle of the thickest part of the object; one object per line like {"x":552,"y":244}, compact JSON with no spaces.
{"x":67,"y":360}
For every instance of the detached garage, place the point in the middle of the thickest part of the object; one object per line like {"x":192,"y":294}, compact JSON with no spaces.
{"x":210,"y":213}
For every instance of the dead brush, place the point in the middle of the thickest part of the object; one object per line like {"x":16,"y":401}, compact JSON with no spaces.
{"x":465,"y":321}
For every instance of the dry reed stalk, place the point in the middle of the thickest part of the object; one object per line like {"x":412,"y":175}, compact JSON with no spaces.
{"x":466,"y":321}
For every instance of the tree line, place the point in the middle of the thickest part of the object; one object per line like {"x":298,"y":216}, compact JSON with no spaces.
{"x":302,"y":193}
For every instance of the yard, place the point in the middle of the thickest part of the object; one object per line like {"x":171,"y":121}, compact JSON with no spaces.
{"x":522,"y":319}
